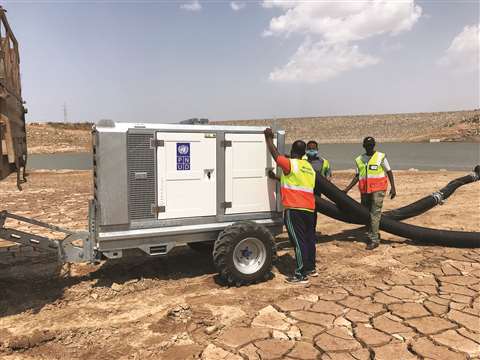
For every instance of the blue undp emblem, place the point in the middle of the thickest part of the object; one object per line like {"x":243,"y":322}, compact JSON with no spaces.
{"x":183,"y":156}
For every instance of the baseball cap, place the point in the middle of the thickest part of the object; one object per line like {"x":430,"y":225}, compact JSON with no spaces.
{"x":368,"y":141}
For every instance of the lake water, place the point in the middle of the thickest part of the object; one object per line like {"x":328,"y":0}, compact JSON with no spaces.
{"x":422,"y":156}
{"x":71,"y":161}
{"x":401,"y":156}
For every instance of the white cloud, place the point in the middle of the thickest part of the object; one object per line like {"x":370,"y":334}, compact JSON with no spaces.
{"x":336,"y":26}
{"x":344,"y":20}
{"x":236,"y":5}
{"x":320,"y":61}
{"x":285,"y":4}
{"x":192,"y":6}
{"x":464,"y":51}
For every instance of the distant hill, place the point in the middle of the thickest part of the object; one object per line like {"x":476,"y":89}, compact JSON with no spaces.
{"x":53,"y":137}
{"x":445,"y":126}
{"x":415,"y":127}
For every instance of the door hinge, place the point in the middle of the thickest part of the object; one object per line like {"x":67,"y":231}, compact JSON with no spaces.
{"x":226,"y":143}
{"x":154,"y":143}
{"x":158,"y":209}
{"x":226,"y":204}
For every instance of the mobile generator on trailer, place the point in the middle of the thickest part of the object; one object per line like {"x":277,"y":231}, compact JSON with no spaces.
{"x":158,"y":186}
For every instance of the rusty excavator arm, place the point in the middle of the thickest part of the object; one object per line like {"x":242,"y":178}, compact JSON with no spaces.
{"x":13,"y":137}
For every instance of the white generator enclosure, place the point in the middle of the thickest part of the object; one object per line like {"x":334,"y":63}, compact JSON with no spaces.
{"x":160,"y":185}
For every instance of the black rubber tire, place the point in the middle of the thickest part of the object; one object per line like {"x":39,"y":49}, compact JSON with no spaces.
{"x":225,"y":245}
{"x":202,"y":247}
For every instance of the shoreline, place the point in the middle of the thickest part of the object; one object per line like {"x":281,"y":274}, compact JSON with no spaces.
{"x":81,"y":150}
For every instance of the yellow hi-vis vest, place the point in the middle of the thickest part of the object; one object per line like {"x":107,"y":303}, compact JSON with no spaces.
{"x":371,"y":176}
{"x":297,"y":187}
{"x":325,"y":164}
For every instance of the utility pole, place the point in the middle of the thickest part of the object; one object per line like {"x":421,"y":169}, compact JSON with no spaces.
{"x":65,"y":114}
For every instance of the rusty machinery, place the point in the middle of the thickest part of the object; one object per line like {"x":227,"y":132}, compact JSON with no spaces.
{"x":13,"y":142}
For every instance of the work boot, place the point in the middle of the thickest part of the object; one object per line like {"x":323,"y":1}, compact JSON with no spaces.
{"x":311,"y":273}
{"x":297,"y":280}
{"x":372,"y":245}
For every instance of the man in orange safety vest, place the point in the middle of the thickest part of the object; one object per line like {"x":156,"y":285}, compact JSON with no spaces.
{"x":372,"y":170}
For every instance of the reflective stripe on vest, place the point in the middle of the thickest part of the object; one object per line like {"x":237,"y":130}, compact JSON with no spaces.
{"x":371,"y":176}
{"x":297,"y":187}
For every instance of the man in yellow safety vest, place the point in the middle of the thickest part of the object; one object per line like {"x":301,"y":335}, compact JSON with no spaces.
{"x":297,"y":190}
{"x":372,"y":182}
{"x":320,"y":165}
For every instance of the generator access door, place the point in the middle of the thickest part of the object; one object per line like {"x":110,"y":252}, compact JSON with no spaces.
{"x":247,"y":186}
{"x":186,"y":168}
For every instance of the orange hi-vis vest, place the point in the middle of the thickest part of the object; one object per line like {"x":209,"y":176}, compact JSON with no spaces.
{"x":297,"y":186}
{"x":371,"y":175}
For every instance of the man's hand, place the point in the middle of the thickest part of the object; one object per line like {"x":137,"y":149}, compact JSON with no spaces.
{"x":268,"y":133}
{"x":270,"y":145}
{"x":393,"y":193}
{"x":272,"y":175}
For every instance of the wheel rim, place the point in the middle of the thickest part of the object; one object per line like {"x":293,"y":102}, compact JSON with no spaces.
{"x":249,"y":255}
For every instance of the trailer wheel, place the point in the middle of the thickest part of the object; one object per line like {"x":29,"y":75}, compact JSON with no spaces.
{"x":202,"y":247}
{"x":244,"y":253}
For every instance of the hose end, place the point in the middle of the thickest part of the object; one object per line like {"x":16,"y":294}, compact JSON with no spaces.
{"x":476,"y":173}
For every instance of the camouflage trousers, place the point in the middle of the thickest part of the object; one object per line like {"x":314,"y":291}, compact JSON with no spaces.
{"x":374,"y":203}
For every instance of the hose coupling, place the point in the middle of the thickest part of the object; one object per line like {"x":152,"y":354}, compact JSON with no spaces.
{"x":475,"y":176}
{"x":438,"y":196}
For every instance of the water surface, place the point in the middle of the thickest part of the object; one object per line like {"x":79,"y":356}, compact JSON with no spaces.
{"x":422,"y":156}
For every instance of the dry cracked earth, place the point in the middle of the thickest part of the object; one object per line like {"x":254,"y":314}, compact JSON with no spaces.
{"x":401,"y":301}
{"x":428,"y":315}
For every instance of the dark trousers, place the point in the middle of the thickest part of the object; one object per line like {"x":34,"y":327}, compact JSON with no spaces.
{"x":301,"y":233}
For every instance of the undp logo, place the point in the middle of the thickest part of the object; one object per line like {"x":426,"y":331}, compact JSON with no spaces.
{"x":183,"y":149}
{"x":183,"y":156}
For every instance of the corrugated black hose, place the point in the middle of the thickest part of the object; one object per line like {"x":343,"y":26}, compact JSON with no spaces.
{"x":406,"y":212}
{"x":352,"y":210}
{"x":428,"y":202}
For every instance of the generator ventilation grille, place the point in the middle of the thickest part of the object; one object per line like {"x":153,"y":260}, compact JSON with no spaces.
{"x":141,"y":176}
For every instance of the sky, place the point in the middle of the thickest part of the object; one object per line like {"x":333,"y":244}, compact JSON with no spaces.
{"x":166,"y":61}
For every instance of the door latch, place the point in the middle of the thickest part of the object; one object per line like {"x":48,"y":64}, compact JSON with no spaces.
{"x":154,"y":143}
{"x":208,"y":173}
{"x":158,"y":209}
{"x":226,"y":204}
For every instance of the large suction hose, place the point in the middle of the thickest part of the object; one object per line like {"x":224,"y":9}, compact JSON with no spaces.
{"x":428,"y":202}
{"x":418,"y":207}
{"x":417,"y":233}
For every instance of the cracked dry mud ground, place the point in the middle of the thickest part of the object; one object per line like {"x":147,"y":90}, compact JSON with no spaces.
{"x":401,"y":301}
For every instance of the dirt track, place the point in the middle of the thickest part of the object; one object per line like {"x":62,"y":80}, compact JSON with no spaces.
{"x":401,"y":301}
